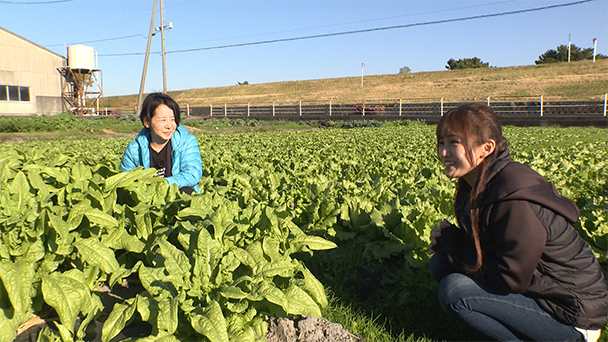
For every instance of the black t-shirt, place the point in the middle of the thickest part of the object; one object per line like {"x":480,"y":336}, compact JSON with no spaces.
{"x":161,"y":161}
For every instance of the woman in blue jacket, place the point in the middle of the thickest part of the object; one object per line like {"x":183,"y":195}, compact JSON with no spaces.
{"x":165,"y":145}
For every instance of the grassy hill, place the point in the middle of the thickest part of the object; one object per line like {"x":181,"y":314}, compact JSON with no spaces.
{"x":572,"y":81}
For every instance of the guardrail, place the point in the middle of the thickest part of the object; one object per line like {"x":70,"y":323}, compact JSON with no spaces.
{"x":528,"y":106}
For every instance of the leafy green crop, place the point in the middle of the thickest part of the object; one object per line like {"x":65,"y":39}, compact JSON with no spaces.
{"x":72,"y":225}
{"x":212,"y":265}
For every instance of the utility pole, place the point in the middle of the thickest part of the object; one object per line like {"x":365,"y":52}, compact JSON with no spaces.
{"x":569,"y":47}
{"x":162,"y":38}
{"x":140,"y":98}
{"x":362,"y":66}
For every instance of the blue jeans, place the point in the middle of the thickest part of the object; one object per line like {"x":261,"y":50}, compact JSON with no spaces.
{"x":501,"y":316}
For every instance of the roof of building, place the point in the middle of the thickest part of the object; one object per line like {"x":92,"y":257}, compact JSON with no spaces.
{"x":31,"y":42}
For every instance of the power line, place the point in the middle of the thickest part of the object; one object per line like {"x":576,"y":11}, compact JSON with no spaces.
{"x":34,"y":3}
{"x":362,"y":21}
{"x":103,"y":40}
{"x":444,"y":21}
{"x":294,"y":30}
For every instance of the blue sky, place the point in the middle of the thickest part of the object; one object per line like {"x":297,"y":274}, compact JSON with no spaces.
{"x":208,"y":26}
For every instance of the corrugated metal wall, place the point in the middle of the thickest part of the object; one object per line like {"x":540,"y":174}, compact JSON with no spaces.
{"x":26,"y":64}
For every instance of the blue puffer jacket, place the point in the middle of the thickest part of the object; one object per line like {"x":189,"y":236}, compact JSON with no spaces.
{"x":186,"y":165}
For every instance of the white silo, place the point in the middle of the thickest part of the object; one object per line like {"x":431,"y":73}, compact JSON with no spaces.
{"x":82,"y":88}
{"x":81,"y":57}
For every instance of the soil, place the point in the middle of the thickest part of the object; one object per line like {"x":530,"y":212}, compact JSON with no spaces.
{"x":307,"y":329}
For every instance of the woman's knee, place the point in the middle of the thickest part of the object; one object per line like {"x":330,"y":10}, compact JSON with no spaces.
{"x":439,"y":267}
{"x":454,"y":289}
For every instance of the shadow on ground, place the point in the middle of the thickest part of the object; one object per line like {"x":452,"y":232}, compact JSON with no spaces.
{"x":393,"y":293}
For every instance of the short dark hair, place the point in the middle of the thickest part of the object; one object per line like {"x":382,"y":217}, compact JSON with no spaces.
{"x":154,"y":100}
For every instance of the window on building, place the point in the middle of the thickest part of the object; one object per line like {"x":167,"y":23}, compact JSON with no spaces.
{"x":24,"y":93}
{"x":14,"y":93}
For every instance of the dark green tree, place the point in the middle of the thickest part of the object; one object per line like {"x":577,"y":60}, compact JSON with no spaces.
{"x":466,"y":63}
{"x":405,"y":70}
{"x":561,"y":55}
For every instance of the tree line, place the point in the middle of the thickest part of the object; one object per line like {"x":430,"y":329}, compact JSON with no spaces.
{"x":560,"y":54}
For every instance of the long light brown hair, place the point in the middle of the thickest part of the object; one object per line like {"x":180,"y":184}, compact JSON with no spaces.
{"x":475,"y":124}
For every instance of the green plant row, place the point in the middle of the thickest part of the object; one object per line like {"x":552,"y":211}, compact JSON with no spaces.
{"x":65,"y":122}
{"x":213,"y":265}
{"x":72,"y":227}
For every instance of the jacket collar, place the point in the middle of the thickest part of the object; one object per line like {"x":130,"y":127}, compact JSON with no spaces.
{"x":503,"y":159}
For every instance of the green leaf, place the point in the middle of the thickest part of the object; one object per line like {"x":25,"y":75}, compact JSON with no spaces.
{"x":117,"y":320}
{"x":81,"y":173}
{"x":38,"y":183}
{"x":210,"y":322}
{"x":222,"y":221}
{"x":300,"y":303}
{"x":59,"y":225}
{"x":271,"y":246}
{"x":161,"y":337}
{"x":66,"y":333}
{"x":168,"y":315}
{"x":147,"y":307}
{"x":21,"y":188}
{"x":237,"y":307}
{"x":154,"y":280}
{"x":100,"y":218}
{"x":18,"y":278}
{"x":66,"y":295}
{"x":245,"y":258}
{"x":125,"y":179}
{"x":209,"y":253}
{"x":121,"y":239}
{"x":58,"y":174}
{"x":314,"y":287}
{"x":94,"y":215}
{"x":175,"y":261}
{"x":193,"y":213}
{"x":284,"y":268}
{"x":143,"y":220}
{"x":313,"y":242}
{"x":97,"y":254}
{"x":240,"y":329}
{"x":232,"y":292}
{"x":8,"y":325}
{"x":272,"y":293}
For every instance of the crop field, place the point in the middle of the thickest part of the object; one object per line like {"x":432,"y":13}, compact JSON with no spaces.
{"x":329,"y":222}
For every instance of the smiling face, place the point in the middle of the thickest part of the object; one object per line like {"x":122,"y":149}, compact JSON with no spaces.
{"x":162,"y":125}
{"x":457,"y":161}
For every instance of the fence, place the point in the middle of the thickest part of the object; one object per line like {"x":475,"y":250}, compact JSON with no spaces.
{"x":526,"y":106}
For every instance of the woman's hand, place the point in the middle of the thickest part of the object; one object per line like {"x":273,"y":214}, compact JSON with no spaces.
{"x":436,"y":232}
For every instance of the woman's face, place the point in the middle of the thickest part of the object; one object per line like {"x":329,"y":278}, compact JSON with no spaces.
{"x":453,"y":155}
{"x":162,"y":125}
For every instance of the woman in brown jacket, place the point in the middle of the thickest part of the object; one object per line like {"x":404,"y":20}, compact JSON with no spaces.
{"x":513,"y":268}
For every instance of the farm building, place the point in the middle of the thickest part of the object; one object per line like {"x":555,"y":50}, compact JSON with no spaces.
{"x":30,"y":82}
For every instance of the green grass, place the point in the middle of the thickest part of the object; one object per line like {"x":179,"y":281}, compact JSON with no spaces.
{"x":66,"y":125}
{"x":575,"y":91}
{"x":384,"y":302}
